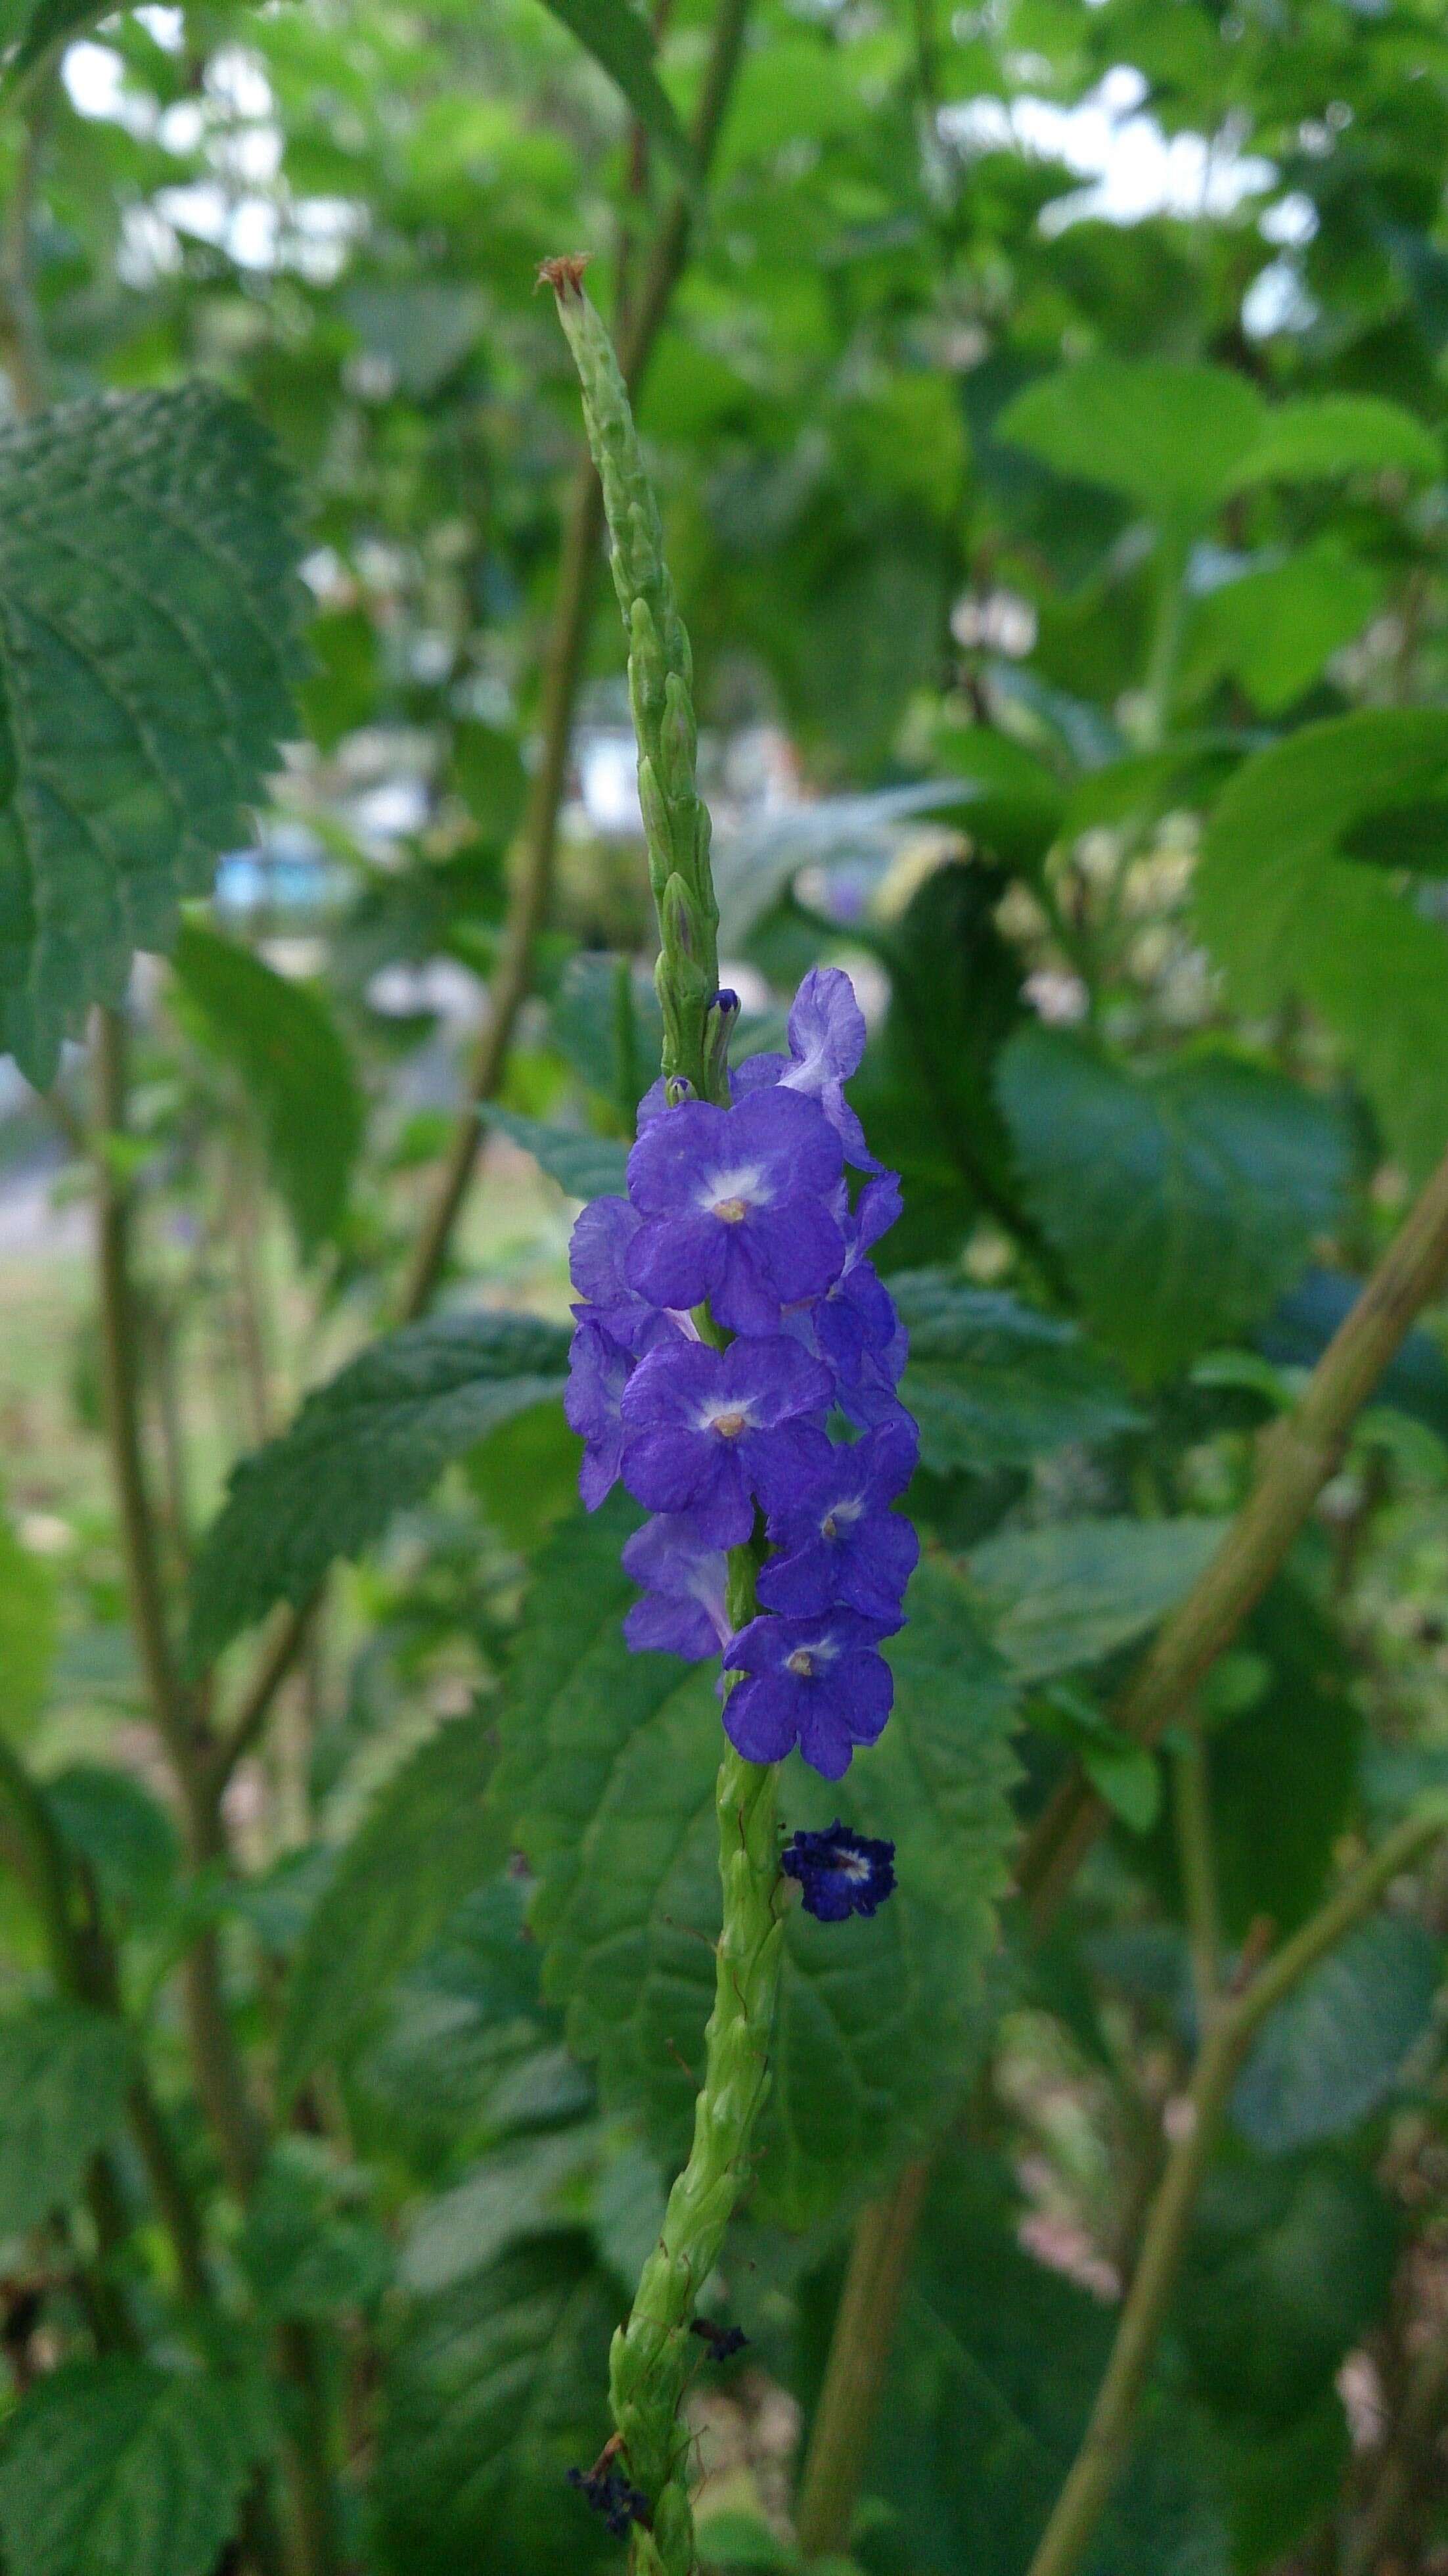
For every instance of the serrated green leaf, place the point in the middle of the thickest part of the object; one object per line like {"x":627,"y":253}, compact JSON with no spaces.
{"x":27,"y":1633}
{"x":1333,"y":2051}
{"x":468,"y":2023}
{"x":1328,"y":434}
{"x":148,"y":615}
{"x":63,"y":2076}
{"x":1168,"y":434}
{"x":301,"y":2256}
{"x":113,"y":2468}
{"x":620,"y":40}
{"x":1286,"y":914}
{"x":283,"y":1040}
{"x":517,"y":2191}
{"x":607,"y":1786}
{"x":1067,"y":1595}
{"x":1182,"y":1204}
{"x":491,"y":2394}
{"x":993,"y":1383}
{"x":364,"y":1446}
{"x":587,"y":1167}
{"x":427,"y":1838}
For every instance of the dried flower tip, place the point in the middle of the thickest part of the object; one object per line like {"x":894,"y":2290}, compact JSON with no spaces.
{"x":841,"y":1873}
{"x":565,"y":276}
{"x":608,"y":2492}
{"x":723,"y":2341}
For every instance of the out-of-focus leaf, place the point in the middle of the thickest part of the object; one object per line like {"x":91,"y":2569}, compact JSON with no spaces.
{"x":925,"y":1091}
{"x":517,"y":2191}
{"x":1321,"y":435}
{"x":491,"y":2393}
{"x":1166,"y":433}
{"x":619,"y":39}
{"x":302,"y":2257}
{"x":1287,"y":2262}
{"x":608,"y":1788}
{"x":1333,"y":2051}
{"x":63,"y":2076}
{"x":111,"y":2465}
{"x":754,"y":865}
{"x":121,"y":1832}
{"x":150,"y":613}
{"x":427,"y":1838}
{"x":606,"y":1020}
{"x":284,"y":1042}
{"x":1285,"y":913}
{"x":1298,"y":1331}
{"x":365,"y":1445}
{"x":587,"y":1167}
{"x":422,"y":331}
{"x":1273,"y":628}
{"x":1181,"y":1205}
{"x":993,"y":1383}
{"x":1067,"y":1595}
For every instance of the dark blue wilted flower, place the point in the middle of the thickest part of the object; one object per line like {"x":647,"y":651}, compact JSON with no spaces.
{"x":609,"y":2493}
{"x":737,"y":1208}
{"x":840,"y":1872}
{"x":706,"y":1431}
{"x":817,"y":1683}
{"x":836,"y":1536}
{"x":723,"y":2341}
{"x":683,"y":1610}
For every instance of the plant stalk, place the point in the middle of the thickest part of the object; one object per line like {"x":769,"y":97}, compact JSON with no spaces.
{"x":869,"y":2310}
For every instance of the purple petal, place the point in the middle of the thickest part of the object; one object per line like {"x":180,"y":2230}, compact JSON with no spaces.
{"x":601,"y":1235}
{"x":673,"y":1383}
{"x":775,"y":1377}
{"x":803,"y":1252}
{"x":761,"y":1718}
{"x":781,"y":1460}
{"x":665,"y":1166}
{"x":677,"y":1260}
{"x":826,"y":1029}
{"x":662,"y":1624}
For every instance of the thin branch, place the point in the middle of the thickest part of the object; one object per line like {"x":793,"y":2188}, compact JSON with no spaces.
{"x":1108,"y":2437}
{"x":22,"y":344}
{"x":1298,"y":1455}
{"x":1196,"y":1855}
{"x":870,"y":2301}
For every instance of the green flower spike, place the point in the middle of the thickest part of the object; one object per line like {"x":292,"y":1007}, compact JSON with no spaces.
{"x":652,"y":2355}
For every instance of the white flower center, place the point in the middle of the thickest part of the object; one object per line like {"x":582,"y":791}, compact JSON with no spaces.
{"x":730,"y":1195}
{"x":840,"y":1516}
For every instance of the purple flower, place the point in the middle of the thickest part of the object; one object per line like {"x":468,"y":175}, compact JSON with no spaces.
{"x":817,"y":1683}
{"x":683,"y":1612}
{"x":841,"y":1873}
{"x":709,"y":1430}
{"x":737,"y":1208}
{"x":598,"y":1372}
{"x":837,"y":1537}
{"x":601,"y":1237}
{"x":854,"y":1327}
{"x":826,"y":1042}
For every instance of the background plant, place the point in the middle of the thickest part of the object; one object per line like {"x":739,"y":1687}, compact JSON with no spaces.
{"x":1062,"y":558}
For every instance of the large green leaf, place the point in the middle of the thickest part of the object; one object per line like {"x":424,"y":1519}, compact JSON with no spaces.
{"x":1183,"y":1204}
{"x":114,"y":2468}
{"x":286,"y":1045}
{"x":426,"y":1840}
{"x":925,"y":1090}
{"x":991,"y":2379}
{"x":619,"y":38}
{"x":1286,"y":913}
{"x":587,"y":1167}
{"x":63,"y":2077}
{"x":365,"y":1445}
{"x":1168,"y":434}
{"x":1321,"y":435}
{"x":1334,"y":2050}
{"x":1287,"y":2263}
{"x":607,"y":1786}
{"x":491,"y":2393}
{"x":993,"y":1383}
{"x":1275,"y":624}
{"x":147,"y":624}
{"x":1069,"y":1594}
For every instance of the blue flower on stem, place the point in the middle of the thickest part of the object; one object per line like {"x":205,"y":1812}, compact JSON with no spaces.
{"x":840,"y":1873}
{"x":708,"y":1431}
{"x":817,"y":1683}
{"x":737,"y":1208}
{"x":836,"y":1536}
{"x":683,"y":1610}
{"x":826,"y":1041}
